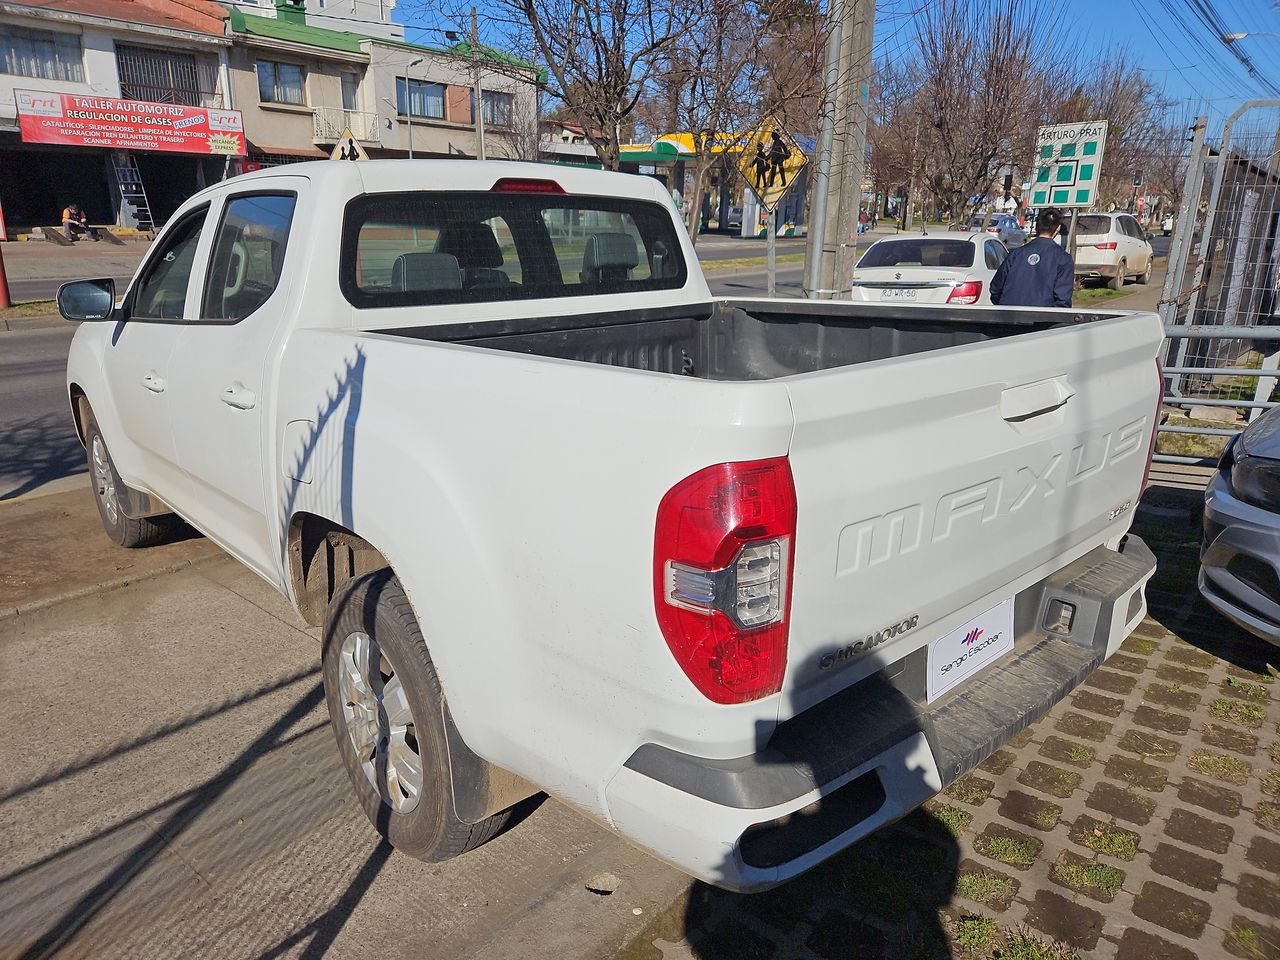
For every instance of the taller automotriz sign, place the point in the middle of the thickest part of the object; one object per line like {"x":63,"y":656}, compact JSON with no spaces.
{"x":128,"y":124}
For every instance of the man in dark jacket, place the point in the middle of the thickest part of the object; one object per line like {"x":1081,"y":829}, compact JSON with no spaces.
{"x":1037,"y":274}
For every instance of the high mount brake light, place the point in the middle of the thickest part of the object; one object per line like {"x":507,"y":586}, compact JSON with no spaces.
{"x":724,"y":543}
{"x":526,"y":185}
{"x":967,"y":292}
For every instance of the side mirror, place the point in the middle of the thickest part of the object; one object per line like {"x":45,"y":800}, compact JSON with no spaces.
{"x":87,"y":299}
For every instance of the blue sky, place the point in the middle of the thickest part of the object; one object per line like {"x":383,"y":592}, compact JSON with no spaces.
{"x":1180,"y":53}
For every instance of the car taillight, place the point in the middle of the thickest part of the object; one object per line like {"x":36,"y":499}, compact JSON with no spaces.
{"x":723,"y":548}
{"x":993,"y":229}
{"x":967,"y":292}
{"x":1155,"y":427}
{"x":1105,"y":246}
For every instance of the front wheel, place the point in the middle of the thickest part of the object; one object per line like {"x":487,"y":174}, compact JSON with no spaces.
{"x":1117,"y":282}
{"x":386,"y":710}
{"x":127,"y":532}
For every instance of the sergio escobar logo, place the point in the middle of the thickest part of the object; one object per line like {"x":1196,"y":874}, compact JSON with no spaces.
{"x":972,"y":651}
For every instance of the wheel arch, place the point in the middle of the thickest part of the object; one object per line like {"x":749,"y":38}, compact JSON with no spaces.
{"x":79,"y":402}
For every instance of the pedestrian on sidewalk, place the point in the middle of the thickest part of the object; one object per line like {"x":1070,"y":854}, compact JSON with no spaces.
{"x":863,"y":221}
{"x":1039,"y":273}
{"x":75,"y":221}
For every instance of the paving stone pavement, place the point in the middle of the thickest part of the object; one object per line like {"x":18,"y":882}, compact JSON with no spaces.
{"x":1138,"y":820}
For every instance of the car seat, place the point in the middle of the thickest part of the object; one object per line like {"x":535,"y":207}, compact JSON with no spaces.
{"x":477,"y":251}
{"x":609,"y":257}
{"x":426,"y":271}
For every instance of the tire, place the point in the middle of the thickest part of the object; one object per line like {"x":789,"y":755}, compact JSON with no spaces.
{"x":125,"y":531}
{"x":1145,"y":277}
{"x":1117,"y":282}
{"x":370,"y":620}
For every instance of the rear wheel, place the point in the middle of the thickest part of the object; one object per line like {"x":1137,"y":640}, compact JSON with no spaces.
{"x":127,"y":532}
{"x":1117,"y":282}
{"x":1145,"y":277}
{"x":386,"y":709}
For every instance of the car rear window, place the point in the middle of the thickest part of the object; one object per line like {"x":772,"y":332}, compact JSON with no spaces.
{"x":422,"y":248}
{"x":1093,"y":225}
{"x":920,"y":252}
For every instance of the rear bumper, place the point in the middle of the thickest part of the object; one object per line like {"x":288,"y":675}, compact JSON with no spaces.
{"x":1096,"y":269}
{"x":876,"y":751}
{"x":1239,"y":576}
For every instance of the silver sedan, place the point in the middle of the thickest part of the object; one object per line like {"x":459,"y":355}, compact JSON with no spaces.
{"x":1240,"y":556}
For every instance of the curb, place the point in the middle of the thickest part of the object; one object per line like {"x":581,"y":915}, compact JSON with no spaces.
{"x":17,"y":324}
{"x":104,"y":586}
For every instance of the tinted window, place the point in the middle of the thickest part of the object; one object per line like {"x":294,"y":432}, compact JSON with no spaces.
{"x":921,"y":252}
{"x":424,"y":248}
{"x":248,"y":255}
{"x":162,"y":291}
{"x":995,"y":254}
{"x":1091,"y":224}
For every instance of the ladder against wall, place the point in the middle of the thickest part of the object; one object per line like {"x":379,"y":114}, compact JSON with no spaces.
{"x":133,"y":196}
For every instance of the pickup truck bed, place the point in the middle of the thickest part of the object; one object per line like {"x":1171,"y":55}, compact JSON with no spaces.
{"x":747,"y":339}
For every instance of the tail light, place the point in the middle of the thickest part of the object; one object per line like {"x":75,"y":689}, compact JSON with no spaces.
{"x":967,"y":292}
{"x":1155,"y":427}
{"x":1106,"y":246}
{"x":526,"y":185}
{"x":993,"y":229}
{"x":723,"y":548}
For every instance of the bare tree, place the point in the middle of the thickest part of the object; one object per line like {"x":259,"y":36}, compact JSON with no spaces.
{"x":523,"y":140}
{"x":600,"y":55}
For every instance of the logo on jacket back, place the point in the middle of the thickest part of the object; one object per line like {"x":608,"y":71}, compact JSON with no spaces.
{"x":1033,"y":259}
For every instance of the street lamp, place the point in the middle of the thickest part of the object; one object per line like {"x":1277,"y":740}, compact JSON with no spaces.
{"x":1233,"y":37}
{"x":408,"y":105}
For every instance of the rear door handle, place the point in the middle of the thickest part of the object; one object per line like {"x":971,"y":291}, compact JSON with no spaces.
{"x":239,"y":396}
{"x":153,"y":383}
{"x":1034,"y":399}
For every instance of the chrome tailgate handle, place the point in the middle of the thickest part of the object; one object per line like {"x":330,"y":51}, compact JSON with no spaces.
{"x":1034,"y":399}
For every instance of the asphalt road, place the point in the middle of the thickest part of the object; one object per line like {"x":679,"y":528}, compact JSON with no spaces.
{"x":38,"y":443}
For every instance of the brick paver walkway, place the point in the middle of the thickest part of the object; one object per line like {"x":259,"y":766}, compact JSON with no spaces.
{"x":1138,"y":820}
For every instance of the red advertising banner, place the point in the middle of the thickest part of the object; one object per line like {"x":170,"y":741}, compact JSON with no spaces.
{"x":128,"y":124}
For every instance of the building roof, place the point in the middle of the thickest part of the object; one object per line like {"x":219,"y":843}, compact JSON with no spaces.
{"x":293,"y":32}
{"x":197,"y":16}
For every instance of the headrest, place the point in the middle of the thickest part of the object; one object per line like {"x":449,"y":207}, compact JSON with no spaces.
{"x":426,"y":271}
{"x":472,"y":243}
{"x":611,"y":252}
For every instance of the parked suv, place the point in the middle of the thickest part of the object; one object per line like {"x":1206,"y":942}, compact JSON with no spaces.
{"x":1113,"y":247}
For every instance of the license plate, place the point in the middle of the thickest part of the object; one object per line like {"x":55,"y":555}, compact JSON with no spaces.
{"x":897,"y":294}
{"x":969,"y":648}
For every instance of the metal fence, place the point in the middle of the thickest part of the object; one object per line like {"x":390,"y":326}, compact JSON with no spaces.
{"x":1221,"y":298}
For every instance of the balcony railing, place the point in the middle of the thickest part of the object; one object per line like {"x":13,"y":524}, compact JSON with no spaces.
{"x":331,"y":121}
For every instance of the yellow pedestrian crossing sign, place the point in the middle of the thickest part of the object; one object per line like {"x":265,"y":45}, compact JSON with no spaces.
{"x":347,"y":148}
{"x":770,"y":161}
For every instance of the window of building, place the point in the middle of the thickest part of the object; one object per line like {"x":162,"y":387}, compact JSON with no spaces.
{"x":498,"y":108}
{"x":350,"y":91}
{"x":418,"y":98}
{"x":166,"y":76}
{"x":280,"y":82}
{"x":41,"y":53}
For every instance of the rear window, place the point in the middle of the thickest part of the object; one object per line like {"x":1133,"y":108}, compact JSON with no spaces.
{"x":1093,"y":225}
{"x":408,"y":249}
{"x":921,"y":252}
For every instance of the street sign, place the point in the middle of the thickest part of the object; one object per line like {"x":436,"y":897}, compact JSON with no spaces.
{"x":770,"y":161}
{"x":1068,"y":164}
{"x":347,"y":148}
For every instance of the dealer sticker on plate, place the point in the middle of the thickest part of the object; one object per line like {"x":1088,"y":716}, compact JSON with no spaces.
{"x":970,"y":647}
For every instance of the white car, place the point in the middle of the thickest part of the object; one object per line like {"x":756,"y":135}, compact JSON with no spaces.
{"x":1113,"y":247}
{"x":953,"y":268}
{"x":712,"y":571}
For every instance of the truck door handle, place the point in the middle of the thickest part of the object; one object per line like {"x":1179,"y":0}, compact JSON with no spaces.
{"x":153,"y":383}
{"x":1034,"y":399}
{"x":239,"y":396}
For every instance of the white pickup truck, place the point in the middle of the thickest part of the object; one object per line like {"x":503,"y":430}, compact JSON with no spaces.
{"x":745,"y":580}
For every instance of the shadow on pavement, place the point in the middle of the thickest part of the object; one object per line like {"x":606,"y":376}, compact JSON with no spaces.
{"x":37,"y":451}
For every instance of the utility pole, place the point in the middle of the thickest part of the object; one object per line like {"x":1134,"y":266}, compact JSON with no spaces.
{"x":475,"y":79}
{"x":847,"y":159}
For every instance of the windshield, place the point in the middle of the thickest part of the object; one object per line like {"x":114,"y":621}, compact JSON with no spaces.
{"x":918,"y":252}
{"x":1093,"y":224}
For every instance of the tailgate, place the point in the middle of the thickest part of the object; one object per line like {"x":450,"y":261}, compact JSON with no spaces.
{"x":933,"y":487}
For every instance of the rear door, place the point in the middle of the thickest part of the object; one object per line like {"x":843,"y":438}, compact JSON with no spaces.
{"x":932,"y":487}
{"x":221,"y":394}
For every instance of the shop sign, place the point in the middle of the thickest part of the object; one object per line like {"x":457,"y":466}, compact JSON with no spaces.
{"x":128,"y":124}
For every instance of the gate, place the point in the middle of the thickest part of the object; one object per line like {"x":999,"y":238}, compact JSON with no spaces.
{"x":1221,"y":298}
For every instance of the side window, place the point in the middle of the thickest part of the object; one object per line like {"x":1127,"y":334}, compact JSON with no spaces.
{"x":248,"y":255}
{"x":996,"y":253}
{"x":1130,"y":227}
{"x":162,"y":291}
